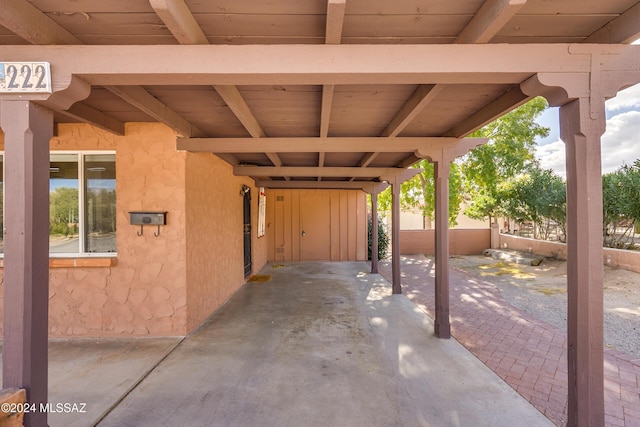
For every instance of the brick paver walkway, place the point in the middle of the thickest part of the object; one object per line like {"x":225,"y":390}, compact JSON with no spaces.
{"x":529,"y":354}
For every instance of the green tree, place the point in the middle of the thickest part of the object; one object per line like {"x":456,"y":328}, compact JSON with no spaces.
{"x":419,"y":192}
{"x":63,"y":209}
{"x":538,"y":196}
{"x":621,"y":205}
{"x":509,"y":152}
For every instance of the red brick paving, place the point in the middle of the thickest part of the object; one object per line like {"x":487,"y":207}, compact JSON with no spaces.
{"x":527,"y":353}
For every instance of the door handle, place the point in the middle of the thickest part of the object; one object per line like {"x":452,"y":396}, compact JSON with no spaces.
{"x":304,"y":233}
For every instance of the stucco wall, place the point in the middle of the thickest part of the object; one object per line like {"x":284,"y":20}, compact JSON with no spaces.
{"x":154,"y":287}
{"x":629,"y":260}
{"x":215,"y":263}
{"x":461,"y":242}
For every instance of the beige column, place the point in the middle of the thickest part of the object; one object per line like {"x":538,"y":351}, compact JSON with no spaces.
{"x":582,"y":123}
{"x":28,"y":129}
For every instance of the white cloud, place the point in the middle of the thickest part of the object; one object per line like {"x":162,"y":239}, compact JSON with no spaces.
{"x":621,"y":141}
{"x":625,"y":100}
{"x":620,"y":145}
{"x":552,"y":156}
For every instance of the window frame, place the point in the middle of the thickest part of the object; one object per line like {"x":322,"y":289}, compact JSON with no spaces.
{"x":80,"y":156}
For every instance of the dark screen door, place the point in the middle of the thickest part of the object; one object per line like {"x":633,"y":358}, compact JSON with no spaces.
{"x":247,"y":231}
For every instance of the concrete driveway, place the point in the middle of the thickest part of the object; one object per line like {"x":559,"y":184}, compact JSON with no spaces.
{"x":318,"y":344}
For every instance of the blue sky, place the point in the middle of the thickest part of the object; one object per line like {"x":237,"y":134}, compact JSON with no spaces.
{"x":620,"y":143}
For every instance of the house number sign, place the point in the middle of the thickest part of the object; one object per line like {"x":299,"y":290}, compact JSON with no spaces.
{"x":25,"y":77}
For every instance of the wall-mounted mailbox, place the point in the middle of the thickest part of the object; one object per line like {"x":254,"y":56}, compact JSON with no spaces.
{"x":148,"y":218}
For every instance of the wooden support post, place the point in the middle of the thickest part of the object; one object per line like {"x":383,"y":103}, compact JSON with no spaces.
{"x":28,"y":129}
{"x":395,"y":236}
{"x":374,"y":232}
{"x":442,"y":170}
{"x":582,"y":124}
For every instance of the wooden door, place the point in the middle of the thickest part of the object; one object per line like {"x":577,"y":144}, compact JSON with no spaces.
{"x":315,"y":228}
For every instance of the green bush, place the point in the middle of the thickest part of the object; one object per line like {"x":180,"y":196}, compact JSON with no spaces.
{"x":383,"y":239}
{"x":59,"y":228}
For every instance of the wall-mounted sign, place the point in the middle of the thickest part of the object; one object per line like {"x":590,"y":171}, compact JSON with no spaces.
{"x":262,"y":211}
{"x":25,"y":77}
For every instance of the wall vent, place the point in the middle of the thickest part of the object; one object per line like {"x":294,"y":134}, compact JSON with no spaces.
{"x":279,"y":198}
{"x":279,"y":250}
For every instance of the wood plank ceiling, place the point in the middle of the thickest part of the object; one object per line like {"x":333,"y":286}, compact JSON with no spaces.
{"x":301,"y":134}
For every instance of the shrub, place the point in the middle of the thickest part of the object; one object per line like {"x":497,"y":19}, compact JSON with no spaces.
{"x":383,"y":238}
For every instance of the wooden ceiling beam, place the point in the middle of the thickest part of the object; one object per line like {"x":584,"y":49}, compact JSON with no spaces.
{"x":313,"y":144}
{"x":367,"y":159}
{"x":325,"y":109}
{"x":333,"y":35}
{"x":335,"y":21}
{"x":367,"y":186}
{"x":489,"y":20}
{"x":408,"y":161}
{"x":234,"y":100}
{"x":144,"y":101}
{"x":275,"y":159}
{"x":624,"y":29}
{"x":85,"y":114}
{"x":318,"y":64}
{"x":30,"y":23}
{"x":498,"y":107}
{"x":178,"y":18}
{"x":491,"y":17}
{"x":27,"y":21}
{"x":308,"y":172}
{"x":423,"y":95}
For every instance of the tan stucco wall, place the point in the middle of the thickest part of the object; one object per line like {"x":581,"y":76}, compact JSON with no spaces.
{"x":461,"y":242}
{"x":215,"y":264}
{"x":155,"y":287}
{"x":629,"y":260}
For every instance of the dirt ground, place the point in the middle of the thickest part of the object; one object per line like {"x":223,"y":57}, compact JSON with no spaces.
{"x":542,"y":292}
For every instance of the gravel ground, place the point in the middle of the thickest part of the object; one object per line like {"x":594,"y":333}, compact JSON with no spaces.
{"x":542,"y":292}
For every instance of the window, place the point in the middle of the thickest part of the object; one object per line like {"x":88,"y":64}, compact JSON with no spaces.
{"x":82,"y":203}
